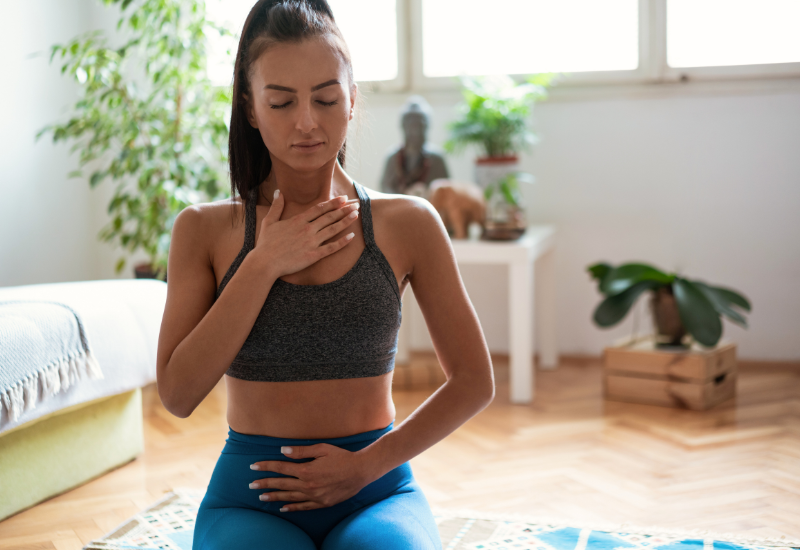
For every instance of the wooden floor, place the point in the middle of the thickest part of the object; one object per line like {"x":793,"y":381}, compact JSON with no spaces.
{"x":570,"y":454}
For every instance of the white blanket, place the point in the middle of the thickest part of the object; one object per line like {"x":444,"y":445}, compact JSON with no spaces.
{"x":122,"y":319}
{"x":43,"y":350}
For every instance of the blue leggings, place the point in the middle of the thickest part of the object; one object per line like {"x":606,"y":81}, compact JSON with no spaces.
{"x":389,"y":513}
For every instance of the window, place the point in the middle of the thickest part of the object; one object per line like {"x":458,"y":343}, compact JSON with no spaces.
{"x":370,"y":28}
{"x":528,"y":36}
{"x":707,"y":33}
{"x":403,"y":45}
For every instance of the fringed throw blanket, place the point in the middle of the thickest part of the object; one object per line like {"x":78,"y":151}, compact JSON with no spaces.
{"x":43,"y":350}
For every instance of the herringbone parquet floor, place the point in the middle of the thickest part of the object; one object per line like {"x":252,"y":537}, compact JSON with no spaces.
{"x":570,"y":454}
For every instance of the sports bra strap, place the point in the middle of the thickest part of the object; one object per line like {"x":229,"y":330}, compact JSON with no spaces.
{"x":365,"y":213}
{"x":366,"y":216}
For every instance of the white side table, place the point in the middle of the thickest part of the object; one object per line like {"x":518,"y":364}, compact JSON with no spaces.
{"x":535,"y":247}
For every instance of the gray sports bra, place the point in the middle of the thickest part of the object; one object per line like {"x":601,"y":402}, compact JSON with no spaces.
{"x":346,"y":328}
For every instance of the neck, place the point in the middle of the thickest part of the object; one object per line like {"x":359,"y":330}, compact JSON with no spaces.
{"x":413,"y":147}
{"x":303,"y":189}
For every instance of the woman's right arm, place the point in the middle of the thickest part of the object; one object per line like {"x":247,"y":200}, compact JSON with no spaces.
{"x":200,"y":337}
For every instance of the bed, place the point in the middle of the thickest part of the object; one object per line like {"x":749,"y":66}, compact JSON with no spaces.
{"x":94,"y":425}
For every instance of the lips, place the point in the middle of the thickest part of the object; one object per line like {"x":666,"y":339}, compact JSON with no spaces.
{"x":308,"y":146}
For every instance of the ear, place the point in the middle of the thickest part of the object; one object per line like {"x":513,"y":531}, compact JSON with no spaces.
{"x":250,"y":112}
{"x":353,"y":94}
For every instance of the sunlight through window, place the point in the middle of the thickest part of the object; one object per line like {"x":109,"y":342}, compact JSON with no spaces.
{"x":369,"y":28}
{"x":706,"y":33}
{"x":528,"y":36}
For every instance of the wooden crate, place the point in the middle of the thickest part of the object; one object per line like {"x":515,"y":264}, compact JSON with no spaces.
{"x":698,"y":378}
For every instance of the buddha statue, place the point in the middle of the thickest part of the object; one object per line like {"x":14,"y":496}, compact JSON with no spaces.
{"x":412,"y":167}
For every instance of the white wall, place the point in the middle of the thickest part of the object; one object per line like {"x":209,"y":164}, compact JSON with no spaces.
{"x":705,"y":184}
{"x":45,"y":218}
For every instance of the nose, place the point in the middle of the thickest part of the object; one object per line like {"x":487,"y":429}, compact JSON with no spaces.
{"x":305,"y":118}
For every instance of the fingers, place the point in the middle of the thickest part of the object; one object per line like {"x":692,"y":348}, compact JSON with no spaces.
{"x":334,"y":229}
{"x":323,"y":208}
{"x":325,"y":221}
{"x":280,"y":466}
{"x":301,"y":506}
{"x":282,"y":496}
{"x":338,"y":244}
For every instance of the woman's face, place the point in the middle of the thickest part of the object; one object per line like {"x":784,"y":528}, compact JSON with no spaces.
{"x":301,"y":102}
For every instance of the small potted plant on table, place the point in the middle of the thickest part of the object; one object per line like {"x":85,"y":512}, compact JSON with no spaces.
{"x":494,"y":116}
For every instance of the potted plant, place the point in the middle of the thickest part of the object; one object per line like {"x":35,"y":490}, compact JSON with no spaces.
{"x":682,"y":309}
{"x":149,"y":120}
{"x":505,"y":213}
{"x":494,"y":116}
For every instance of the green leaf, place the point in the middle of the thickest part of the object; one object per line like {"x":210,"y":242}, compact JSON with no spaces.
{"x":720,"y":303}
{"x":614,"y":308}
{"x":732,"y":297}
{"x":625,"y":276}
{"x":95,"y":178}
{"x":599,"y":270}
{"x":697,"y":313}
{"x":120,"y":264}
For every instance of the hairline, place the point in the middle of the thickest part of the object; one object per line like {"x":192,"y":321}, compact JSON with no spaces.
{"x":330,"y":38}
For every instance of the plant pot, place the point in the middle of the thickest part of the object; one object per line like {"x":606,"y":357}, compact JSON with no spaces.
{"x":504,"y":221}
{"x":145,"y":271}
{"x":490,"y":170}
{"x":670,"y":331}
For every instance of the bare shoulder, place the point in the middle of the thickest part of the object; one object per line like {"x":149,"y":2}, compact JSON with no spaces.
{"x":211,"y":225}
{"x":411,"y":224}
{"x":406,"y":212}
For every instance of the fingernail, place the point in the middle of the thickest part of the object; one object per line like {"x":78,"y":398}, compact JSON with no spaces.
{"x":275,"y":194}
{"x":284,"y":509}
{"x":253,"y":485}
{"x":286,"y":450}
{"x":350,"y":236}
{"x":254,"y":466}
{"x":263,"y":497}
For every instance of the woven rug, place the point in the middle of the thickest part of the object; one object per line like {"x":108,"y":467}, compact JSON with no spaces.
{"x":169,"y":523}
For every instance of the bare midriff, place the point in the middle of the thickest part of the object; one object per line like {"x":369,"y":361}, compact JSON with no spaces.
{"x":313,"y":409}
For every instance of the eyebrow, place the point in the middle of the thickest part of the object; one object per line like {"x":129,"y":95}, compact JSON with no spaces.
{"x":313,"y":89}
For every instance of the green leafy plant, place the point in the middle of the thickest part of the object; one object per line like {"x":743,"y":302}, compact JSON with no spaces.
{"x":699,"y":305}
{"x":148,"y":119}
{"x":508,"y":187}
{"x":494,"y":114}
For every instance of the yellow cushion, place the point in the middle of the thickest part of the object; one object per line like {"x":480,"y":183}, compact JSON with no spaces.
{"x":67,"y":448}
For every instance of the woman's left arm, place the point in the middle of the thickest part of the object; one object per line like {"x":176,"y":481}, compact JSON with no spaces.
{"x":457,"y":339}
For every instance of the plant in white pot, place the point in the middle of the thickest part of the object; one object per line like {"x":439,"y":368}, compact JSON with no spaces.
{"x":494,"y":117}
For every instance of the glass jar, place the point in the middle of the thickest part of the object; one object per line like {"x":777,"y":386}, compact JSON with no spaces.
{"x":506,"y":217}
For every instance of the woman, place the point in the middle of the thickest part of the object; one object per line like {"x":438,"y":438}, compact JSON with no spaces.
{"x":299,"y":306}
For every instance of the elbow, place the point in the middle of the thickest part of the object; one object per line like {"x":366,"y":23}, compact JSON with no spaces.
{"x":176,"y":403}
{"x":490,"y":397}
{"x":489,"y":390}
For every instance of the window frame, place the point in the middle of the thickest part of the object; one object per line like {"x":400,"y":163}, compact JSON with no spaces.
{"x":401,"y":82}
{"x":652,"y":69}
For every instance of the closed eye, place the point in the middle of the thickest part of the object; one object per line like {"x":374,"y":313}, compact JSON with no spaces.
{"x":327,"y":104}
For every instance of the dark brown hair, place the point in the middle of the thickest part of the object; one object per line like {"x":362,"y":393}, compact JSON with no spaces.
{"x":270,"y":22}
